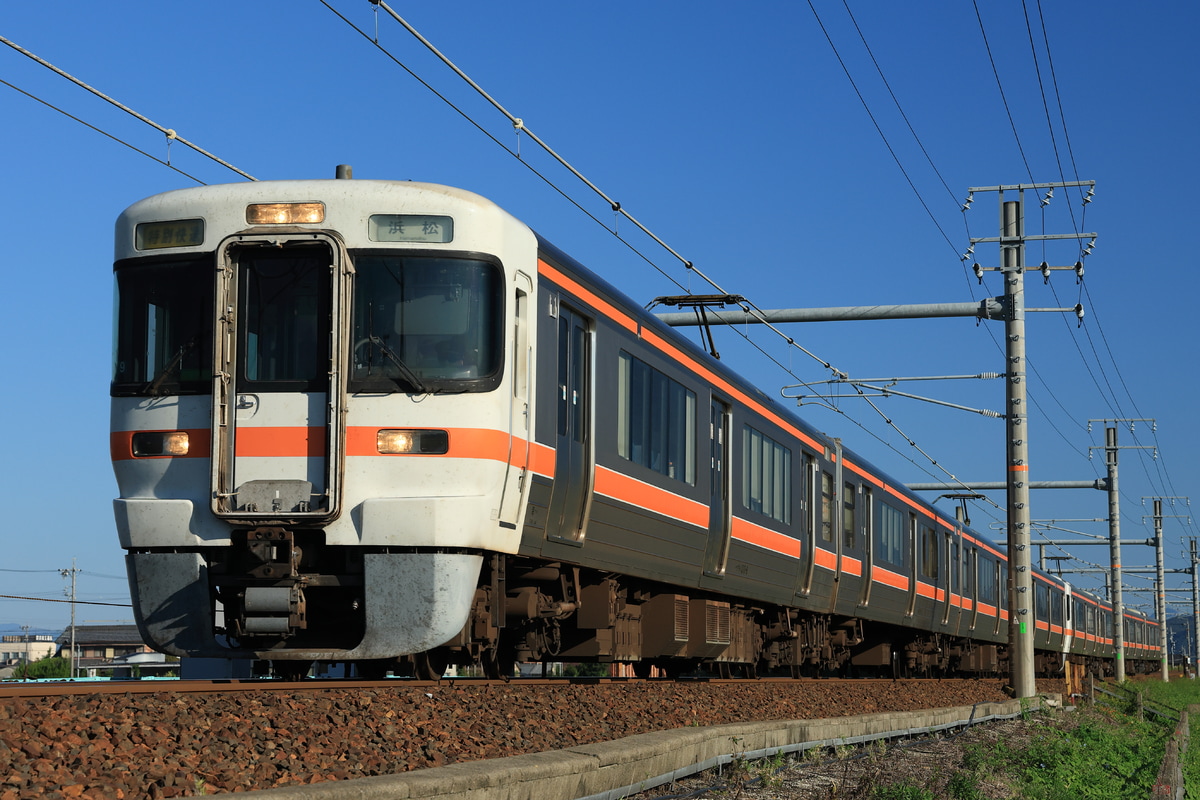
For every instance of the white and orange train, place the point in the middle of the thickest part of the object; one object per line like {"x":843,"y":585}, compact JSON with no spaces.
{"x":386,"y":423}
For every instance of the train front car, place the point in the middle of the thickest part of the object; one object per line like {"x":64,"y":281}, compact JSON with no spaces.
{"x":319,"y":413}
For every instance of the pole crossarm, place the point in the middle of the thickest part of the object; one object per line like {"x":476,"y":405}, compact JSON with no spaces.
{"x":1127,"y":570}
{"x":887,"y":391}
{"x":996,"y":486}
{"x":1104,"y":541}
{"x":989,"y":308}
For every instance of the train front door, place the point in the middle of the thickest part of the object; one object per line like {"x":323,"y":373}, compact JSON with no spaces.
{"x":277,"y":400}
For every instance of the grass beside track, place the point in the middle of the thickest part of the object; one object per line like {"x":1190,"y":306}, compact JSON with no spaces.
{"x":1107,"y":751}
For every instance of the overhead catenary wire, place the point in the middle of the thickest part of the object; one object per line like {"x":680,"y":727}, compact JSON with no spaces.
{"x":116,"y":139}
{"x":879,"y":129}
{"x":168,"y":132}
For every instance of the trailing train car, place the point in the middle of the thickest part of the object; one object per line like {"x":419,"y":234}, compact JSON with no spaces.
{"x":386,"y":423}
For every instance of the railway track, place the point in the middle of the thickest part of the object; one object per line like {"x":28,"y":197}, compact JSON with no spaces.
{"x":140,"y":687}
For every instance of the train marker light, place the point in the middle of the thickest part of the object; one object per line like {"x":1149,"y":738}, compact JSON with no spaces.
{"x":150,"y":444}
{"x":284,"y":213}
{"x":412,"y":442}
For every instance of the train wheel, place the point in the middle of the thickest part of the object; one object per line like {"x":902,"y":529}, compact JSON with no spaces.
{"x":643,"y":669}
{"x":431,"y":664}
{"x":498,"y":665}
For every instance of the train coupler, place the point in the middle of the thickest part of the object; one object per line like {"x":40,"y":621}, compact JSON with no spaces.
{"x":274,"y":603}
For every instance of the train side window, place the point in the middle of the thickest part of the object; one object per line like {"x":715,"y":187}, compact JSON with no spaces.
{"x":889,"y":545}
{"x":929,"y":552}
{"x":868,"y":517}
{"x":987,"y":581}
{"x":766,"y":476}
{"x":1041,"y":602}
{"x":1056,"y":608}
{"x":826,"y":507}
{"x":849,"y":521}
{"x":656,"y":420}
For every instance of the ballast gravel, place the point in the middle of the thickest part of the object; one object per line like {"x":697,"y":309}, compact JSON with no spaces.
{"x":175,"y":745}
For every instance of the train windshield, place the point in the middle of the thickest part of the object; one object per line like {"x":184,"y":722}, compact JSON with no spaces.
{"x":426,"y":324}
{"x":163,"y":339}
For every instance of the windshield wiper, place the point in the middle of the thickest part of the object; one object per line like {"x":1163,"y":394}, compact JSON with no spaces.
{"x":153,"y":387}
{"x":405,"y":370}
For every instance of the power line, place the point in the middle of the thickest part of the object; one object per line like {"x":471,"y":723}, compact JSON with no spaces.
{"x":171,"y":135}
{"x":72,"y":602}
{"x":999,"y":85}
{"x":878,"y":129}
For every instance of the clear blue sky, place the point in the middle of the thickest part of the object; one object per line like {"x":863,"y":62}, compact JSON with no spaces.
{"x":731,"y":131}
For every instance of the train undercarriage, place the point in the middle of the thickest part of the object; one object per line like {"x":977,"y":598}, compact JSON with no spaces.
{"x":531,"y":611}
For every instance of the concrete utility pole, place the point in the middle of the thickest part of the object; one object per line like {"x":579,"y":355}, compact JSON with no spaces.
{"x":71,"y":573}
{"x":1195,"y":609}
{"x":1160,"y":594}
{"x":1114,"y":551}
{"x":1012,"y":253}
{"x":1160,"y":604}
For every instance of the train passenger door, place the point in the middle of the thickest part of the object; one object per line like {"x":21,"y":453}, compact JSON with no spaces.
{"x":277,"y":419}
{"x":953,"y":582}
{"x":809,"y":510}
{"x":912,"y":547}
{"x":720,"y":521}
{"x":573,"y":474}
{"x":868,"y":546}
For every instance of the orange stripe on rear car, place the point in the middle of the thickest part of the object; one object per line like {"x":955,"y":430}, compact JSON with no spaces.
{"x":630,"y":490}
{"x":765,"y":538}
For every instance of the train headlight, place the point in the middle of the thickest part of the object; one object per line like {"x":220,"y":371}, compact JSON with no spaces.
{"x":147,"y":444}
{"x":284,"y":213}
{"x":415,"y":442}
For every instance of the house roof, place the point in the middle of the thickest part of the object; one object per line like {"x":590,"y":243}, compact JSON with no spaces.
{"x":110,"y":635}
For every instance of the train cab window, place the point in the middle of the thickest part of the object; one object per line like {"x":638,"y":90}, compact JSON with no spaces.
{"x":424,"y":324}
{"x":849,"y":518}
{"x":766,"y":476}
{"x":889,"y":538}
{"x":163,"y":333}
{"x":656,"y":420}
{"x":929,"y":553}
{"x":826,"y":507}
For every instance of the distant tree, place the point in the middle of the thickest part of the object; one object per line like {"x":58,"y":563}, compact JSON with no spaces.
{"x":50,"y":667}
{"x":586,"y":670}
